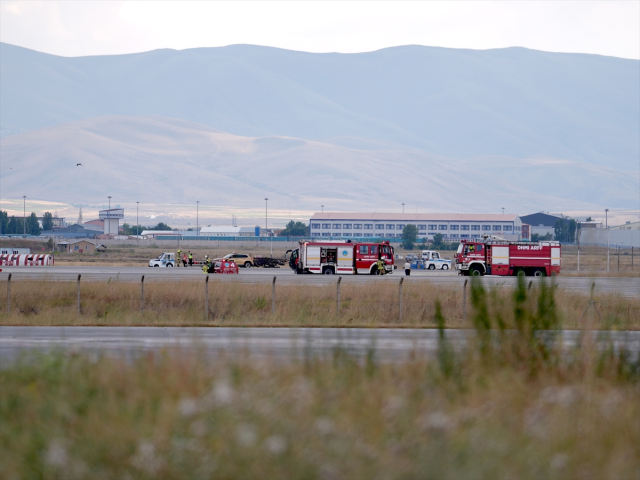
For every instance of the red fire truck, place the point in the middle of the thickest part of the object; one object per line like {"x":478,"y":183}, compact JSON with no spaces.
{"x":342,"y":257}
{"x":496,"y":256}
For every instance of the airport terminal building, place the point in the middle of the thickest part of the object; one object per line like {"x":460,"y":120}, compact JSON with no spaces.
{"x":452,"y":226}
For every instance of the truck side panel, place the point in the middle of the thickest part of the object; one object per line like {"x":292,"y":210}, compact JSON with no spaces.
{"x":345,"y":260}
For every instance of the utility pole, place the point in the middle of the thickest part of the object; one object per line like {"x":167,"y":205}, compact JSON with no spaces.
{"x":503,"y":210}
{"x":109,"y":217}
{"x":266,"y":223}
{"x":322,"y":207}
{"x":606,"y":225}
{"x":403,"y":208}
{"x":24,"y":214}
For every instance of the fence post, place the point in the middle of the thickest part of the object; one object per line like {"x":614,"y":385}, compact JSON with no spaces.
{"x":400,"y":299}
{"x":464,"y":300}
{"x":9,"y":294}
{"x":338,"y":295}
{"x":78,"y":295}
{"x":142,"y":293}
{"x":273,"y":295}
{"x":206,"y":298}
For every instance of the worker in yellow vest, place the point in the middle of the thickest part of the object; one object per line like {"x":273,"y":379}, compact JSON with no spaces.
{"x":190,"y":259}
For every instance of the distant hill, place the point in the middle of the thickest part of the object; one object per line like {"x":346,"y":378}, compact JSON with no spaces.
{"x":162,"y":160}
{"x":453,"y":103}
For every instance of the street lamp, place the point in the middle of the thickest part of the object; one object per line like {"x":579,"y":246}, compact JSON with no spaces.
{"x":322,"y":207}
{"x":403,"y":208}
{"x":109,"y":217}
{"x":606,"y":225}
{"x":198,"y":217}
{"x":503,"y":210}
{"x":266,"y":224}
{"x":24,"y":214}
{"x":137,"y":221}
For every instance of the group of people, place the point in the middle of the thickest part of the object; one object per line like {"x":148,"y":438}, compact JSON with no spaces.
{"x":187,"y":258}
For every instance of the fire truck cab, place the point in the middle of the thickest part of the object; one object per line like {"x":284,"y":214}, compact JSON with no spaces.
{"x":342,"y":257}
{"x":496,"y":256}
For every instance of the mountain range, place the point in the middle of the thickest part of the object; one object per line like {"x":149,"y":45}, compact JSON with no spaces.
{"x":428,"y":126}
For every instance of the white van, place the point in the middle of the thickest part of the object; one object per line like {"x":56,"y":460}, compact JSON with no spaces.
{"x":167,"y":259}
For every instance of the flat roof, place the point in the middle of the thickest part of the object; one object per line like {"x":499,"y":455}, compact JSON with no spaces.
{"x":437,"y":217}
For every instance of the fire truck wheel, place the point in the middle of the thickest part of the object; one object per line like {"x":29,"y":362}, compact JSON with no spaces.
{"x":539,"y":272}
{"x":432,"y":267}
{"x":520,"y":272}
{"x":328,"y":271}
{"x":475,"y":272}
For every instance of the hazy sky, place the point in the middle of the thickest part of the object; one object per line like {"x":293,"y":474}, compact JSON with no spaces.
{"x":72,"y":28}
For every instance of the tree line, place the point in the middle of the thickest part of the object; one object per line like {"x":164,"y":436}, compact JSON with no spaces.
{"x":24,"y":226}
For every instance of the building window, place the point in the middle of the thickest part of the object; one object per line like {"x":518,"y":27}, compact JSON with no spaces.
{"x":508,"y":228}
{"x":497,"y":228}
{"x":463,"y":235}
{"x":315,"y":234}
{"x":475,"y":236}
{"x":379,"y":226}
{"x":399,"y":227}
{"x":357,"y":225}
{"x":453,"y":235}
{"x":368,"y":226}
{"x":422,"y":227}
{"x":442,"y":227}
{"x":390,"y":226}
{"x":315,"y":225}
{"x":454,"y":227}
{"x":346,"y":226}
{"x":357,"y":234}
{"x":433,"y":227}
{"x":337,"y":226}
{"x":486,"y":228}
{"x":326,"y":225}
{"x":368,"y":234}
{"x":475,"y":227}
{"x":326,"y":234}
{"x":346,"y":234}
{"x":464,"y":227}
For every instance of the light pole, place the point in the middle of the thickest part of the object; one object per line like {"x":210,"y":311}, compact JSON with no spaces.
{"x":403,"y":208}
{"x":606,"y":225}
{"x":503,"y":210}
{"x":109,"y":217}
{"x":137,"y":221}
{"x":24,"y":214}
{"x":322,"y":208}
{"x":198,"y":217}
{"x":266,"y":223}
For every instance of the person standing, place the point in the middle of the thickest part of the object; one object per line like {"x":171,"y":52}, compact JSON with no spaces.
{"x":178,"y":258}
{"x":184,"y":260}
{"x":407,"y":268}
{"x":190,"y":259}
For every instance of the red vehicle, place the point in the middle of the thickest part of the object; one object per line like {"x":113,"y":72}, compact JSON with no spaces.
{"x":342,"y":257}
{"x":222,"y":266}
{"x":502,"y":257}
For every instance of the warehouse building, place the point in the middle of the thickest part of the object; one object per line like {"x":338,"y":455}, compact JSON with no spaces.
{"x":452,"y":226}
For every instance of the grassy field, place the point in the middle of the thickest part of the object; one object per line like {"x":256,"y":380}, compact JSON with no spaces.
{"x":183,"y":303}
{"x":510,"y":406}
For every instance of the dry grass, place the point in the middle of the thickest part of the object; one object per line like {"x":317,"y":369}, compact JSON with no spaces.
{"x":167,"y":417}
{"x":182,"y":304}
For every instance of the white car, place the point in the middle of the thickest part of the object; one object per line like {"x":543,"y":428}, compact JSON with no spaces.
{"x":432,"y":261}
{"x":167,"y":259}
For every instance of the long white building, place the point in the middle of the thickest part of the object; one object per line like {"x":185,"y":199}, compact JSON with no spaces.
{"x":452,"y":226}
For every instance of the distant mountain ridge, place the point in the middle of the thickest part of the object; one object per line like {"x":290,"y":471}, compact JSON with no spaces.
{"x":454,"y":103}
{"x":159,"y":160}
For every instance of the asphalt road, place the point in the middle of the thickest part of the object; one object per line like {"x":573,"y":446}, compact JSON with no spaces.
{"x":629,"y":287}
{"x":389,"y":344}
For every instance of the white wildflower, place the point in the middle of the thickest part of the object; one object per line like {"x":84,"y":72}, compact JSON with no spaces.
{"x":246,"y":435}
{"x":56,"y":455}
{"x":276,"y":444}
{"x":437,"y":422}
{"x":188,"y":407}
{"x":222,"y":393}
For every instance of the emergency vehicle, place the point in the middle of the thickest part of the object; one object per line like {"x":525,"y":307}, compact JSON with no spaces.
{"x":497,"y":256}
{"x":166,"y":259}
{"x":341,"y":257}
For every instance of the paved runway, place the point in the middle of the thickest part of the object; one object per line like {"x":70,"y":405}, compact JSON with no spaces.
{"x":629,"y":287}
{"x":389,"y":344}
